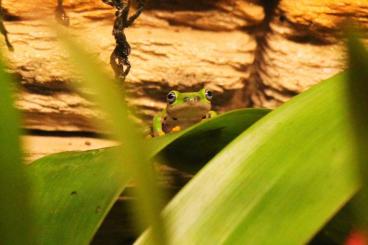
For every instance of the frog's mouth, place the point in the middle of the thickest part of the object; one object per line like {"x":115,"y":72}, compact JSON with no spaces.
{"x":189,"y":112}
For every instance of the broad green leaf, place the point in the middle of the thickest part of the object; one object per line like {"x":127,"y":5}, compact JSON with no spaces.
{"x":279,"y":182}
{"x":75,"y":190}
{"x":193,"y":148}
{"x":230,"y":124}
{"x":133,"y":157}
{"x":16,"y":216}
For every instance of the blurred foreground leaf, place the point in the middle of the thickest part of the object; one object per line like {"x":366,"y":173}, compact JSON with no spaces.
{"x":16,"y":215}
{"x":277,"y":183}
{"x":133,"y":155}
{"x":358,"y":101}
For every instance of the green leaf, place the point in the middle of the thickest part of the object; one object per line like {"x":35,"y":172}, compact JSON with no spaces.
{"x":75,"y":190}
{"x":231,"y":124}
{"x":16,"y":215}
{"x":193,"y":148}
{"x":279,"y":182}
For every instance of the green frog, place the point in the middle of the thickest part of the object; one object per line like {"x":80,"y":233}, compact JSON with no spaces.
{"x":183,"y":110}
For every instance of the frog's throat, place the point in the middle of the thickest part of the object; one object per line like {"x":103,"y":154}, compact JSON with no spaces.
{"x":189,"y":112}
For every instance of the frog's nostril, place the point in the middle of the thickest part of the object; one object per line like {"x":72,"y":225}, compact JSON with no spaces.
{"x":191,"y":100}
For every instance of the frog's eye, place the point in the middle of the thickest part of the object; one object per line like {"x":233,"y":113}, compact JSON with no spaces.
{"x":209,"y":95}
{"x":171,"y":97}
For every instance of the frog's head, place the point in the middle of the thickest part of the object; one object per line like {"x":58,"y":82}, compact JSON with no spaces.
{"x":191,"y":106}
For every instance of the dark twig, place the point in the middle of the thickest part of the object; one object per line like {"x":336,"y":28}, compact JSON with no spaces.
{"x":119,"y":57}
{"x":3,"y":30}
{"x":60,"y":14}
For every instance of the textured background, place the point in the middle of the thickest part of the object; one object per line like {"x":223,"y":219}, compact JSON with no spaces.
{"x":251,"y":53}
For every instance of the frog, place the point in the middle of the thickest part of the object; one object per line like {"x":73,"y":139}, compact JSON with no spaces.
{"x":183,"y":109}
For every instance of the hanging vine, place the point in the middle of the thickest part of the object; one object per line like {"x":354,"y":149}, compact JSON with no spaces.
{"x":120,"y":56}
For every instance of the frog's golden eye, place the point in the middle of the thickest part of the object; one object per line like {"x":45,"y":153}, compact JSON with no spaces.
{"x":171,"y":97}
{"x":209,"y":95}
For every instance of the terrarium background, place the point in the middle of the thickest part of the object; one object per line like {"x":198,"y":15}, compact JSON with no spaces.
{"x":251,"y":53}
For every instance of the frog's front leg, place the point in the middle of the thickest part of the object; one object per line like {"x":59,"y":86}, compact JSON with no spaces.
{"x":157,"y":125}
{"x":175,"y":129}
{"x":211,"y":114}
